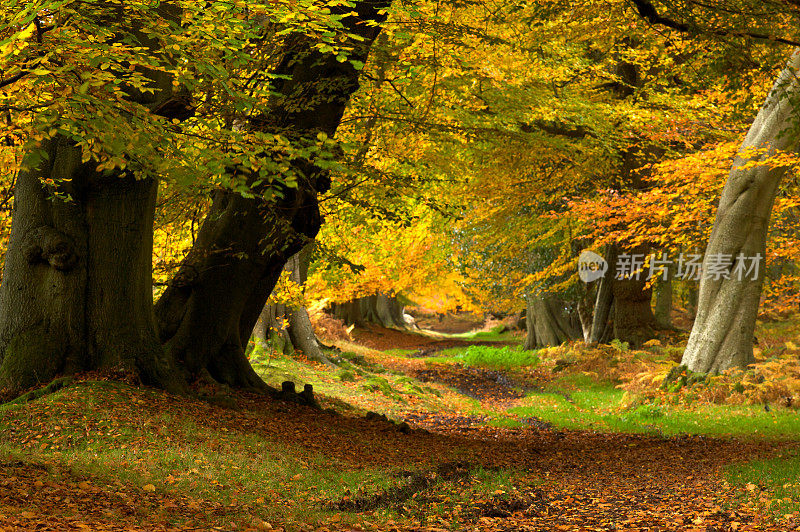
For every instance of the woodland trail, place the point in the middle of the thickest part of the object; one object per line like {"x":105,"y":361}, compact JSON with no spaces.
{"x":562,"y":479}
{"x":597,"y":481}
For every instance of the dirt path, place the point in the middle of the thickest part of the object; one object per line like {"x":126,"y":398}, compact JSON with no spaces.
{"x":566,"y":481}
{"x":563,"y":480}
{"x":590,"y":481}
{"x":427,"y":343}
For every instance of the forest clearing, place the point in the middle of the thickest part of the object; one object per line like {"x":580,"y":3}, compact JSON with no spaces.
{"x":470,"y":440}
{"x":400,"y":265}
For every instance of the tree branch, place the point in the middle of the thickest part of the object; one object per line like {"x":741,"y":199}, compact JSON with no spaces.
{"x":13,"y":79}
{"x":559,"y":129}
{"x":647,"y":11}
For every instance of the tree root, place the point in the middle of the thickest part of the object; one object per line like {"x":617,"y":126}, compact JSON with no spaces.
{"x":32,"y":395}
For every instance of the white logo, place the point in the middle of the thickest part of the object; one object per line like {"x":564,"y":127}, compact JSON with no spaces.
{"x":591,"y":266}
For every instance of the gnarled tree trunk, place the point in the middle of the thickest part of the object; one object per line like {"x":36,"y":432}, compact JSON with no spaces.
{"x":77,"y":285}
{"x":77,"y":282}
{"x":722,"y":335}
{"x":548,"y":323}
{"x":208,"y":312}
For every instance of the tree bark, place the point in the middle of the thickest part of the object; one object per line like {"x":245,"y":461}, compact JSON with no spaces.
{"x":381,"y":309}
{"x":298,"y":334}
{"x":664,"y":302}
{"x":722,"y":335}
{"x":208,"y":312}
{"x":691,"y":299}
{"x":605,"y":298}
{"x":634,"y":321}
{"x":548,"y":324}
{"x":77,"y":282}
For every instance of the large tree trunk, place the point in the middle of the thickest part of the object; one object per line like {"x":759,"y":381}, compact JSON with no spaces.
{"x":208,"y":312}
{"x":77,"y":285}
{"x":722,"y":335}
{"x":201,"y":312}
{"x":634,"y":321}
{"x":548,"y":324}
{"x":380,"y":309}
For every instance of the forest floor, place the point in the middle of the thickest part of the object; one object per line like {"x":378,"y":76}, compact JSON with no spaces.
{"x":416,"y":432}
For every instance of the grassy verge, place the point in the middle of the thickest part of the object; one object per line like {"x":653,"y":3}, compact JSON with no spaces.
{"x":109,"y":432}
{"x":234,"y":467}
{"x":772,"y":484}
{"x":497,"y":334}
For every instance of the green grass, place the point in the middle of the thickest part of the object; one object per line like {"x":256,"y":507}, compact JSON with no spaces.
{"x":587,"y":405}
{"x":437,"y":503}
{"x":776,"y":480}
{"x":496,"y":334}
{"x":485,"y":356}
{"x":401,"y":352}
{"x":176,"y":455}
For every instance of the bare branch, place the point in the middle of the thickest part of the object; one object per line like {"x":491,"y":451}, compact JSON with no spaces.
{"x":647,"y":11}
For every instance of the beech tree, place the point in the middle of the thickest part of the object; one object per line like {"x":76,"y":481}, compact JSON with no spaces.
{"x":208,"y":312}
{"x":101,"y":96}
{"x":77,"y":286}
{"x":722,"y":335}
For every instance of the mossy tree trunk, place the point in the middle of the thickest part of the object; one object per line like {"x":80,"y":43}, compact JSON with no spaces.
{"x":208,"y":312}
{"x":77,"y":281}
{"x":77,"y":284}
{"x":663,"y":302}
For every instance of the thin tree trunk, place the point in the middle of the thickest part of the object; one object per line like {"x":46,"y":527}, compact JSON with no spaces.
{"x":585,"y":318}
{"x":664,"y":302}
{"x":298,"y":334}
{"x":691,"y":299}
{"x":209,"y":310}
{"x":722,"y":335}
{"x":605,"y":298}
